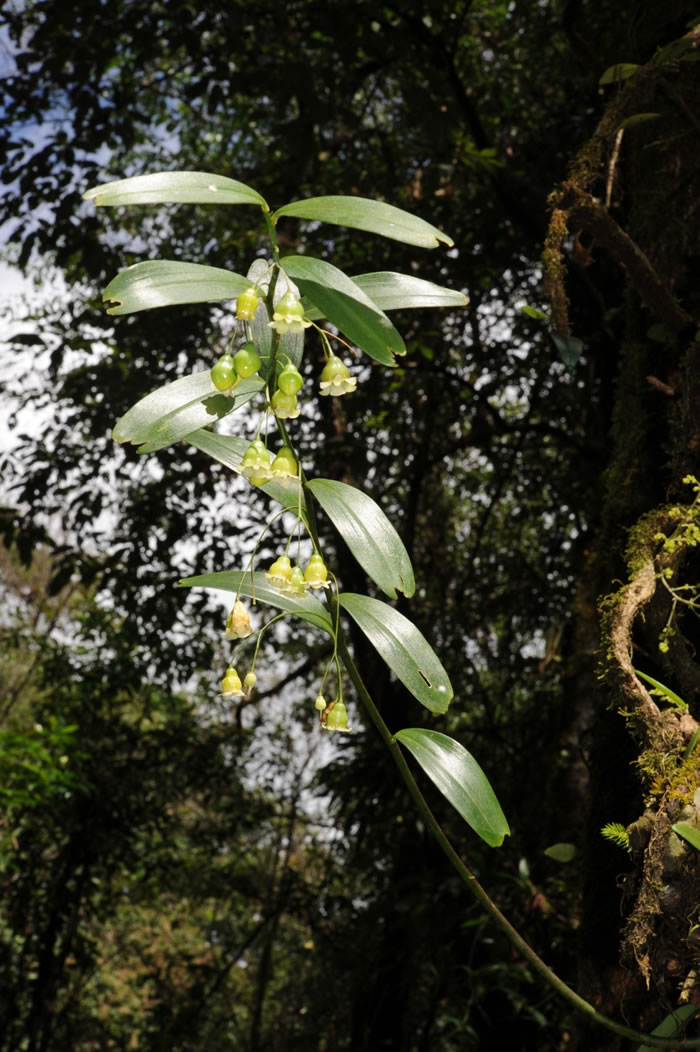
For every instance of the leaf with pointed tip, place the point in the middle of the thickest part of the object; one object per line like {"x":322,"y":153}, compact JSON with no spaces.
{"x":673,"y":1025}
{"x":405,"y":650}
{"x":392,"y":291}
{"x":691,"y":834}
{"x":362,"y":213}
{"x":229,"y":450}
{"x":346,"y":306}
{"x":256,"y":586}
{"x":619,"y":72}
{"x":165,"y":282}
{"x":163,"y":188}
{"x":174,"y":411}
{"x":460,"y":780}
{"x":368,"y":534}
{"x":570,"y":349}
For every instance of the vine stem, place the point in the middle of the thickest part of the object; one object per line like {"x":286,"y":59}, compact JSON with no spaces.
{"x":475,"y":888}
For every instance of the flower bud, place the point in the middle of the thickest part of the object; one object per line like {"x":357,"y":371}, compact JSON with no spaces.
{"x":320,"y":703}
{"x":250,"y":681}
{"x":223,"y":374}
{"x":247,"y":304}
{"x":246,"y":362}
{"x":290,"y":379}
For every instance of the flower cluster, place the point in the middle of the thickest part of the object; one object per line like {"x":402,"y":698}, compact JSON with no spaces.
{"x":292,"y":580}
{"x":259,"y":466}
{"x":231,"y":686}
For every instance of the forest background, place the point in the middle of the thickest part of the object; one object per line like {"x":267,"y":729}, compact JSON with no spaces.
{"x":181,"y":873}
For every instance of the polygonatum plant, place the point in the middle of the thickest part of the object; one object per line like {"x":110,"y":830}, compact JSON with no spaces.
{"x":280,"y":303}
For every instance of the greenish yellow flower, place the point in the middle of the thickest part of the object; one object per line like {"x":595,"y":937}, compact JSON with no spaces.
{"x":284,"y":406}
{"x":316,"y":574}
{"x":231,"y":686}
{"x":336,"y":379}
{"x":336,"y":717}
{"x":247,"y":304}
{"x":280,"y":572}
{"x":288,"y":315}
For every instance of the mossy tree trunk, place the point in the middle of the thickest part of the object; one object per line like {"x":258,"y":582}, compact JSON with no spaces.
{"x":632,"y":206}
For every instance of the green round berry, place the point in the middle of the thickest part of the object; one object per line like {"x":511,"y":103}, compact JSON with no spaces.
{"x":290,"y":379}
{"x":246,"y":362}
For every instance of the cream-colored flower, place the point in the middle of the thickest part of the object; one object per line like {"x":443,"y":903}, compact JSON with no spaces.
{"x":238,"y":623}
{"x":336,"y":379}
{"x":288,"y":315}
{"x":335,"y":717}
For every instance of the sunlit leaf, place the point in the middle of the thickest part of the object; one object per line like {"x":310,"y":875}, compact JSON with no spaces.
{"x":672,"y":1026}
{"x":620,"y":71}
{"x":163,"y":283}
{"x":390,"y":291}
{"x":638,"y":118}
{"x":160,"y":188}
{"x":368,"y":534}
{"x":229,"y":450}
{"x":256,"y":586}
{"x":361,"y":213}
{"x":405,"y":650}
{"x":561,"y":852}
{"x":460,"y":780}
{"x":689,"y":833}
{"x":663,"y":691}
{"x":173,"y":411}
{"x":346,"y":306}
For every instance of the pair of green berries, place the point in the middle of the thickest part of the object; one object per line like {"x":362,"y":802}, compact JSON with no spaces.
{"x":232,"y":368}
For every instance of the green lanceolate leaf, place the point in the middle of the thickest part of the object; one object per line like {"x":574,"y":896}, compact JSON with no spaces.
{"x":256,"y":586}
{"x":619,"y":72}
{"x":162,"y":188}
{"x":391,"y":291}
{"x":174,"y":411}
{"x":561,"y":852}
{"x":405,"y":650}
{"x":691,"y":834}
{"x":361,"y":213}
{"x":163,"y":283}
{"x":368,"y":534}
{"x":672,"y":1026}
{"x":662,"y":691}
{"x":229,"y":450}
{"x":460,"y":780}
{"x":346,"y":306}
{"x":570,"y":349}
